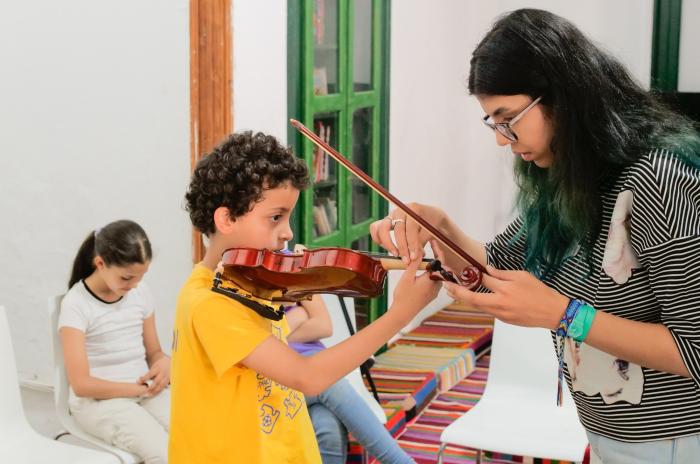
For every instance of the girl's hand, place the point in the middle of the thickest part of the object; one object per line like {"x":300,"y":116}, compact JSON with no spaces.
{"x":413,"y":293}
{"x":158,"y":376}
{"x":517,"y":297}
{"x":409,"y":237}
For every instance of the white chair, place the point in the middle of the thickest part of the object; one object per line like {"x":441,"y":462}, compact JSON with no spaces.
{"x":340,"y":333}
{"x":518,"y":413}
{"x":20,"y":443}
{"x":61,"y":391}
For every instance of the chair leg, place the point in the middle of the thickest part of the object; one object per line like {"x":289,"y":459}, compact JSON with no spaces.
{"x":440,"y":451}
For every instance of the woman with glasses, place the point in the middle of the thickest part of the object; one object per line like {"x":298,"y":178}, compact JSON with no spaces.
{"x":605,"y":251}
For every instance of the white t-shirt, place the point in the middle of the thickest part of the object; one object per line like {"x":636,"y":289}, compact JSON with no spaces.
{"x":113,"y":331}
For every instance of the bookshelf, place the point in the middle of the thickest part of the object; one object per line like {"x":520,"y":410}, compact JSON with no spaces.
{"x":338,"y":85}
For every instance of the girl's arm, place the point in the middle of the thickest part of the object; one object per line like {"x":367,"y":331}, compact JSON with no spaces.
{"x":78,"y":371}
{"x":159,"y":362}
{"x":317,"y":325}
{"x":313,"y":374}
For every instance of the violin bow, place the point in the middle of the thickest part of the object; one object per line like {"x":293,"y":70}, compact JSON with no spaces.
{"x":371,"y":183}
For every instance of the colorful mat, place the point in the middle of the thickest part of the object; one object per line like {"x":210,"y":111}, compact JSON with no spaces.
{"x":450,"y":365}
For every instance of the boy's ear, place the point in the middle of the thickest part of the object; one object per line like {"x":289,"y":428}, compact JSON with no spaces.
{"x":223,"y":221}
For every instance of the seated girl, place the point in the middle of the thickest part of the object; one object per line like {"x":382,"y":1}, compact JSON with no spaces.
{"x":116,"y":369}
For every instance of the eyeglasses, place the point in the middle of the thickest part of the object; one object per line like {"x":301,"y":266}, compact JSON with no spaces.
{"x":506,"y":128}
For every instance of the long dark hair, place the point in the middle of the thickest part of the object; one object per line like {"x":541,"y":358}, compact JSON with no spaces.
{"x":602,"y":121}
{"x":119,"y":243}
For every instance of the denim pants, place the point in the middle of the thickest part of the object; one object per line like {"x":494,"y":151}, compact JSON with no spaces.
{"x":684,"y":450}
{"x":340,"y":402}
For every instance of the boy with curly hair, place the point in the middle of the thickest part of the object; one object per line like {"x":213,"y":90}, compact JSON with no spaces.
{"x":237,"y":388}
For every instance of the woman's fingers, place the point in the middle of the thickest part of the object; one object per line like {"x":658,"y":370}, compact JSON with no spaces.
{"x":412,"y":230}
{"x":401,"y":240}
{"x":381,"y":234}
{"x":487,"y":302}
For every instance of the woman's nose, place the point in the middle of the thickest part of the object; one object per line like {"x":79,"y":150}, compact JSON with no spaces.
{"x":502,"y":140}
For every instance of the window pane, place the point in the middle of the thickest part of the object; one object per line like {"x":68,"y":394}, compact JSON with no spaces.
{"x":324,"y":175}
{"x":362,"y":43}
{"x":361,"y":156}
{"x":325,"y":24}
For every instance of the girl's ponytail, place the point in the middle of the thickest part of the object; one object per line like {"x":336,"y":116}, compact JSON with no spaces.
{"x":83,"y":264}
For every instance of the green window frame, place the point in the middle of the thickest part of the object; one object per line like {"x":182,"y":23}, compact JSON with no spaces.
{"x":344,"y":107}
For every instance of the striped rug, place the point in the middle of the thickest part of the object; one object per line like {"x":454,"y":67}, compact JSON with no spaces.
{"x":450,"y":365}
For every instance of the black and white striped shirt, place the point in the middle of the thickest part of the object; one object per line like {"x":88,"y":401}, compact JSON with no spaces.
{"x":646,"y":267}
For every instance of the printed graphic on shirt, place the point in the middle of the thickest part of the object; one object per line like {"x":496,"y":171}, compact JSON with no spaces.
{"x":264,"y":387}
{"x":268,"y":418}
{"x":293,"y":403}
{"x":619,"y":258}
{"x":594,"y":372}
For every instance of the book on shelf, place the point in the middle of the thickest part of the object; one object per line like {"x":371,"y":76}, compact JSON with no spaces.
{"x":321,"y":160}
{"x":321,"y":222}
{"x":320,"y":81}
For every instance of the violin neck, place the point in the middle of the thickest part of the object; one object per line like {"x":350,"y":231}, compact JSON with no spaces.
{"x":394,"y":263}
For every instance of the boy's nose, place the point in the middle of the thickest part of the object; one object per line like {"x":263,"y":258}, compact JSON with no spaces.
{"x":286,"y":234}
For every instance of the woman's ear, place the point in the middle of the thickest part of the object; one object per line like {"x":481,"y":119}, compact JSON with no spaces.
{"x":222,"y":220}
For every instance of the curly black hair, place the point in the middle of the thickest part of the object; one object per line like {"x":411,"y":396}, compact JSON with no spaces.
{"x":235,"y":174}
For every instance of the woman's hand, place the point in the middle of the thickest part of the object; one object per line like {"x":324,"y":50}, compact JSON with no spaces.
{"x":517,"y":297}
{"x":413,"y":293}
{"x":409,"y":237}
{"x":158,"y":376}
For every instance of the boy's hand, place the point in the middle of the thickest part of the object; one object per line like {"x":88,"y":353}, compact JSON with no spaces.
{"x":157,"y":377}
{"x":413,"y":292}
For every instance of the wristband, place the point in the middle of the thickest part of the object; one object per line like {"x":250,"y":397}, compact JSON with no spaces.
{"x":581,"y":324}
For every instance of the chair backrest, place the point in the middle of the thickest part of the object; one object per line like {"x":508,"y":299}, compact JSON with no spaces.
{"x":61,"y":389}
{"x":524,"y":357}
{"x":11,"y":410}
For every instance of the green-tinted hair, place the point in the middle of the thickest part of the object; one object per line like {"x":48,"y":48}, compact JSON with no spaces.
{"x":602,"y":121}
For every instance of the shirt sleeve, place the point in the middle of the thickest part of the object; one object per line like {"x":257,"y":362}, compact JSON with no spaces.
{"x":73,"y":314}
{"x":228,"y":331}
{"x":665,"y":233}
{"x":148,"y":300}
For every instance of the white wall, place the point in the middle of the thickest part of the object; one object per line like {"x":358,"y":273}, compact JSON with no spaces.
{"x":440,"y":153}
{"x":94,"y":126}
{"x":260,"y":66}
{"x":688,"y":63}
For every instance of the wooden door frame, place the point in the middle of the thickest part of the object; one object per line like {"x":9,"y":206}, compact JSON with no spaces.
{"x":211,"y":84}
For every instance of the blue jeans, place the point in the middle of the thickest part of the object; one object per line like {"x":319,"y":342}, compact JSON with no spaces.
{"x":347,"y":406}
{"x":684,"y":450}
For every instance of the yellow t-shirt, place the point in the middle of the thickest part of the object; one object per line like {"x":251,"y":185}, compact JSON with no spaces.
{"x":223,"y":412}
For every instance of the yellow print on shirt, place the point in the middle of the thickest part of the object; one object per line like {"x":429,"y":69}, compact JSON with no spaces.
{"x":268,"y":418}
{"x":264,"y":387}
{"x":293,"y":403}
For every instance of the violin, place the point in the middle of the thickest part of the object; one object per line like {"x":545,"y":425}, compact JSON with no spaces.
{"x":293,"y":277}
{"x":277,"y":276}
